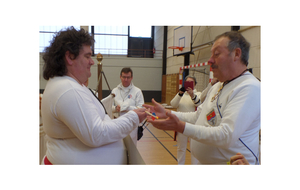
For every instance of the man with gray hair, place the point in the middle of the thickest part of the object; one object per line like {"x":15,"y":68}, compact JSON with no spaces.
{"x":228,"y":121}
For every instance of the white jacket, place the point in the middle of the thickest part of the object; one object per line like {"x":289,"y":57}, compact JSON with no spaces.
{"x":184,"y":103}
{"x":216,"y":137}
{"x":129,"y":98}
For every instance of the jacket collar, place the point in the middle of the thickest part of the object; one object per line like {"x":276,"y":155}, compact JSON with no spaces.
{"x":126,"y":89}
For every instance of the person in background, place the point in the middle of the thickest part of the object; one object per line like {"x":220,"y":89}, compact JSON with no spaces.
{"x":78,"y":130}
{"x":186,"y":100}
{"x":228,"y":121}
{"x":127,"y":97}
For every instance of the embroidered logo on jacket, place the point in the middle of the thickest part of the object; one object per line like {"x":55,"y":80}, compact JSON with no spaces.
{"x":129,"y":96}
{"x":211,"y":118}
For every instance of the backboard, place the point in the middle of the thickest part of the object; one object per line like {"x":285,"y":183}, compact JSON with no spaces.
{"x":182,"y":38}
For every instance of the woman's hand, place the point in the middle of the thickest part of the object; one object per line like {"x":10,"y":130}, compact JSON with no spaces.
{"x":141,"y":113}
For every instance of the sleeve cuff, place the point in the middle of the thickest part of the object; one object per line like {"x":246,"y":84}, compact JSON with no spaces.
{"x":189,"y":130}
{"x":135,"y":117}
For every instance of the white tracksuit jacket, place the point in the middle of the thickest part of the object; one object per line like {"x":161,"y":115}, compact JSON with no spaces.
{"x":129,"y":98}
{"x":217,"y":125}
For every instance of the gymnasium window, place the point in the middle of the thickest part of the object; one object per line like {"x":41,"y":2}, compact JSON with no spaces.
{"x":46,"y":34}
{"x":140,"y":31}
{"x":140,"y":43}
{"x":110,"y":39}
{"x":133,"y":41}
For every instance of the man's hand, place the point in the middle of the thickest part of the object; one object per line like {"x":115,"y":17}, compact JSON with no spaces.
{"x":170,"y":123}
{"x":158,"y":109}
{"x":238,"y":159}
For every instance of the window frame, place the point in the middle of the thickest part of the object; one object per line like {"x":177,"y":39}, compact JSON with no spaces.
{"x":53,"y":32}
{"x":138,"y":51}
{"x":104,"y":34}
{"x":130,"y":40}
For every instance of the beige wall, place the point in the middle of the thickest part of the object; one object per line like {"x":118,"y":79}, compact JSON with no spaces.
{"x":252,"y":34}
{"x":206,"y":34}
{"x":158,"y":41}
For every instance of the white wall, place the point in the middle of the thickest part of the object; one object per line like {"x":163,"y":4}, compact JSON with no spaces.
{"x":147,"y":72}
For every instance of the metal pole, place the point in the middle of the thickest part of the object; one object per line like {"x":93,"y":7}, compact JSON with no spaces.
{"x":100,"y":81}
{"x":99,"y":88}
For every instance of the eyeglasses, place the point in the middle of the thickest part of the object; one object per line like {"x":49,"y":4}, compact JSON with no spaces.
{"x":123,"y":77}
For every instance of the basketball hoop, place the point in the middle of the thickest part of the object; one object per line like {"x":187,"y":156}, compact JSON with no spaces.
{"x":176,"y":47}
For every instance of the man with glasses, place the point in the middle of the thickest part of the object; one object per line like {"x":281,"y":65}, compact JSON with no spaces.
{"x":127,"y":97}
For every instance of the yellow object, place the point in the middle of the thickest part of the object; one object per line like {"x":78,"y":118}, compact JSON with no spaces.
{"x":151,"y":114}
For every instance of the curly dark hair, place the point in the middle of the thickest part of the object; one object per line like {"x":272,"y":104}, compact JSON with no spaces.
{"x":70,"y":40}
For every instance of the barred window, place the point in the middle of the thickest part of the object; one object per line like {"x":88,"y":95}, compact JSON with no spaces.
{"x":46,"y":34}
{"x":110,"y":39}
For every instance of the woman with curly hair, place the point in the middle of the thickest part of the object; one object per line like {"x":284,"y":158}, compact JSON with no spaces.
{"x":78,"y":130}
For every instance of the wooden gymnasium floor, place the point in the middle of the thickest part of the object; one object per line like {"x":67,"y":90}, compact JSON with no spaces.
{"x":157,"y":147}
